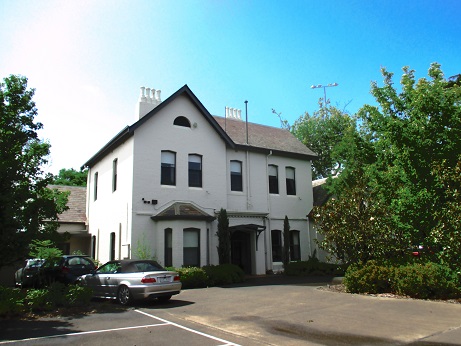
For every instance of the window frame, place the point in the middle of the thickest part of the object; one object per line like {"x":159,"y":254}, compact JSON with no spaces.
{"x":195,"y":173}
{"x":95,"y":185}
{"x":186,"y":256}
{"x":167,"y":173}
{"x":236,"y":178}
{"x":168,"y":256}
{"x":114,"y":174}
{"x":295,"y":249}
{"x":290,"y":182}
{"x":277,"y":245}
{"x":273,"y":180}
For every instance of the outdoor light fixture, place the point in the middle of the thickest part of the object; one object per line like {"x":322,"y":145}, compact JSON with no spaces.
{"x":324,"y":90}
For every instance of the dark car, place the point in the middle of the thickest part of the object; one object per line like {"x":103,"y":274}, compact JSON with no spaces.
{"x":65,"y":269}
{"x":128,"y":280}
{"x":27,"y":276}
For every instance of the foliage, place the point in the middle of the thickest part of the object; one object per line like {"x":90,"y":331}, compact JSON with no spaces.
{"x":313,"y":267}
{"x":286,"y":242}
{"x":71,"y":177}
{"x":325,"y":132}
{"x":416,"y":280}
{"x":399,"y":186}
{"x":192,"y":277}
{"x":14,"y":301}
{"x":371,"y":277}
{"x":28,"y":209}
{"x":224,"y":274}
{"x":224,"y":238}
{"x":11,"y":301}
{"x":143,"y":249}
{"x":44,"y":249}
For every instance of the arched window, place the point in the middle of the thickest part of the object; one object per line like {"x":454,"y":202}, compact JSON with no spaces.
{"x":182,"y":121}
{"x":168,"y":247}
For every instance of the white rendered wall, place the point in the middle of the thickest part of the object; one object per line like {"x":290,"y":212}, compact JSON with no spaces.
{"x":111,"y":211}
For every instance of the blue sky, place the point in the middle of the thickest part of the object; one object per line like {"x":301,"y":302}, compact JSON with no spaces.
{"x":87,"y":59}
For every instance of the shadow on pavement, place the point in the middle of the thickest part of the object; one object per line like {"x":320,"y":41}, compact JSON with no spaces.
{"x":266,"y":280}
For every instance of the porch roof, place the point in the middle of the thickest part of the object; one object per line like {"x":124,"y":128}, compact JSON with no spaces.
{"x":183,"y":211}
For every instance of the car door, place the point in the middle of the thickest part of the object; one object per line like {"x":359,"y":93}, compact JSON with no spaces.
{"x":102,"y":280}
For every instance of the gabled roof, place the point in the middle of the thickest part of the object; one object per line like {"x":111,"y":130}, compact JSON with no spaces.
{"x":233,"y":132}
{"x":184,"y":211}
{"x":263,"y":137}
{"x":76,"y":203}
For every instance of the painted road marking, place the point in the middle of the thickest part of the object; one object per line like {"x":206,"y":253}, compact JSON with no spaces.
{"x":164,"y":323}
{"x":225,"y":342}
{"x":83,"y":333}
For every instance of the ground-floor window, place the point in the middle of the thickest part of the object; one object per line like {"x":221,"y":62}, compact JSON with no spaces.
{"x":93,"y":246}
{"x":112,"y":247}
{"x":191,"y":247}
{"x":295,"y":248}
{"x":276,"y":245}
{"x":168,"y":247}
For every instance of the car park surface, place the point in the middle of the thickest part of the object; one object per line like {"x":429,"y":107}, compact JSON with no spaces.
{"x":261,"y":311}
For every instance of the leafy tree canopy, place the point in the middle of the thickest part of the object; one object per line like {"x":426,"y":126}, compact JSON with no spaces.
{"x":403,"y":163}
{"x":28,"y":209}
{"x":325,"y":132}
{"x":71,"y":177}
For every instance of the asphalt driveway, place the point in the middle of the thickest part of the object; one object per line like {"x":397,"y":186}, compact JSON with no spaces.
{"x":262,"y":311}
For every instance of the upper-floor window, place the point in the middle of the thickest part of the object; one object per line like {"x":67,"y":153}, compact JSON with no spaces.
{"x":291,"y":181}
{"x":273,"y":179}
{"x":195,"y":170}
{"x":95,"y":186}
{"x":168,"y":174}
{"x":182,"y":121}
{"x":114,"y":174}
{"x":236,"y":175}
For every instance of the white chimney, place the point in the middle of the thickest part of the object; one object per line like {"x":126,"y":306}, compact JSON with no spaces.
{"x":148,"y":100}
{"x":233,"y":113}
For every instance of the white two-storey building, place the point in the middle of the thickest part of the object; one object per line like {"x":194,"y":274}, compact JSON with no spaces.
{"x":159,"y":184}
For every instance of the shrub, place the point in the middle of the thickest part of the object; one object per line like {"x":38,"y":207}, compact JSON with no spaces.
{"x":224,"y":274}
{"x":11,"y":301}
{"x":38,"y":300}
{"x":429,"y":280}
{"x":369,"y":278}
{"x":78,"y":295}
{"x":313,"y":267}
{"x":192,"y":277}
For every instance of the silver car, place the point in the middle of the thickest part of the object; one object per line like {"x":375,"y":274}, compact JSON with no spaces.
{"x":128,"y":280}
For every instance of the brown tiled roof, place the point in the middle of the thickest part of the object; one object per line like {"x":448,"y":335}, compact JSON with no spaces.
{"x":76,"y":203}
{"x":265,"y":137}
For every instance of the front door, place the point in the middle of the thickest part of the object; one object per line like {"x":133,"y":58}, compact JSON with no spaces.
{"x":241,"y":250}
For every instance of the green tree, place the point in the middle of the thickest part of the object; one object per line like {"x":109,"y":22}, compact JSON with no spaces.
{"x":224,"y":241}
{"x":28,"y":209}
{"x":401,"y":169}
{"x":324,"y":132}
{"x":71,"y":177}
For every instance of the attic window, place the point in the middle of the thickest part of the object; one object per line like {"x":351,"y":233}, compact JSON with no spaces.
{"x":182,"y":121}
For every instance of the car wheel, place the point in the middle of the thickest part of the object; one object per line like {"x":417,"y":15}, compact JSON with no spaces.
{"x":124,"y":295}
{"x":164,"y":299}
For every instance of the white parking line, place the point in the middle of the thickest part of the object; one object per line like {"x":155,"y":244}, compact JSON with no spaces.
{"x":83,"y":333}
{"x":164,"y":323}
{"x":225,"y":342}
